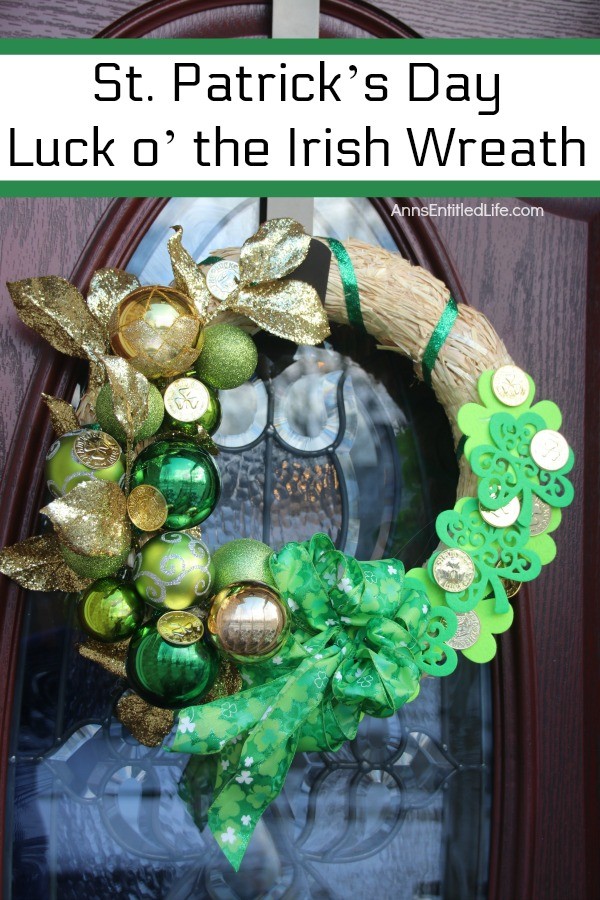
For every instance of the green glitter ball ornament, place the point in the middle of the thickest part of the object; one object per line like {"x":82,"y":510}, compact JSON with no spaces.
{"x":185,"y":475}
{"x":242,"y":560}
{"x":81,"y":455}
{"x":173,"y":571}
{"x":228,"y":357}
{"x":167,"y":675}
{"x":93,"y":566}
{"x":110,"y":610}
{"x":105,"y":414}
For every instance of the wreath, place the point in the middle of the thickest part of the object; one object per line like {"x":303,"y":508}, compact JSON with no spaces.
{"x":262,"y":652}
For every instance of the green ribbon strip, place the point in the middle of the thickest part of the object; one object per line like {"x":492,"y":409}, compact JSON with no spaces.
{"x":210,"y":260}
{"x":438,"y":338}
{"x":349,"y":283}
{"x":362,"y":636}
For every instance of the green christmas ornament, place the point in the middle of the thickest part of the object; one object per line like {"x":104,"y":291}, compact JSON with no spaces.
{"x":110,"y":610}
{"x":190,"y":403}
{"x":173,"y":571}
{"x":167,"y":675}
{"x":93,"y":566}
{"x":106,"y":415}
{"x":80,"y":455}
{"x":228,"y":357}
{"x":242,"y":560}
{"x":186,"y":476}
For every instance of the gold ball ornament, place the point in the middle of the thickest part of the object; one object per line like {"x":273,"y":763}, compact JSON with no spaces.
{"x":158,"y":330}
{"x":248,"y":622}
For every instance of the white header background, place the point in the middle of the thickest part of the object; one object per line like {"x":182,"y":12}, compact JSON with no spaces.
{"x":52,"y":97}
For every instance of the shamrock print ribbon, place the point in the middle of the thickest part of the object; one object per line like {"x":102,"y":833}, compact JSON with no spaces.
{"x":362,"y":636}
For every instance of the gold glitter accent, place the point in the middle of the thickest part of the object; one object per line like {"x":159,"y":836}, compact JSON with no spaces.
{"x":148,"y":724}
{"x":110,"y":656}
{"x":277,"y":248}
{"x":37,"y":564}
{"x":289,"y":309}
{"x":107,"y":288}
{"x":62,"y":415}
{"x":96,"y":449}
{"x":56,"y":310}
{"x":180,"y":627}
{"x":129,"y":394}
{"x":189,"y":277}
{"x":227,"y":682}
{"x":92,"y":519}
{"x":206,"y":442}
{"x":147,"y":508}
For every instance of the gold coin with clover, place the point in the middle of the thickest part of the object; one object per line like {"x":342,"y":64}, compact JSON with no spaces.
{"x":246,"y":652}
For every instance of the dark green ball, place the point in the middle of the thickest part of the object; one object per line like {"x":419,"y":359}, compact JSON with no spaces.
{"x":228,"y":357}
{"x":110,"y":610}
{"x":166,"y":675}
{"x":105,"y":414}
{"x":242,"y":560}
{"x":93,"y":566}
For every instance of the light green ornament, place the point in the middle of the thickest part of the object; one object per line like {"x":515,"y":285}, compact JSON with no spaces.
{"x":108,"y":421}
{"x":173,"y":571}
{"x":242,"y":560}
{"x":80,"y":455}
{"x":93,"y":566}
{"x":228,"y":357}
{"x":110,"y":610}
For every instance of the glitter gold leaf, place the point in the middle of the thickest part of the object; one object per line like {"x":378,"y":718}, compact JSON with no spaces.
{"x":189,"y":277}
{"x":62,"y":415}
{"x":56,"y":310}
{"x":129,"y":394}
{"x":37,"y":564}
{"x":110,"y":656}
{"x":148,"y":724}
{"x":277,"y":248}
{"x":289,"y":309}
{"x":92,"y":519}
{"x":107,"y":288}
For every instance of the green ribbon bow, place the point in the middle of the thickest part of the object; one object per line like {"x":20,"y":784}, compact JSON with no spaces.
{"x":362,"y":636}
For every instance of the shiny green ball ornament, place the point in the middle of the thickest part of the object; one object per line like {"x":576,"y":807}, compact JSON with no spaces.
{"x":190,"y":403}
{"x":167,"y":675}
{"x":80,"y":455}
{"x":173,"y":571}
{"x":93,"y":566}
{"x":107,"y":419}
{"x":242,"y":560}
{"x":110,"y":610}
{"x":248,"y":622}
{"x":228,"y":357}
{"x":184,"y":474}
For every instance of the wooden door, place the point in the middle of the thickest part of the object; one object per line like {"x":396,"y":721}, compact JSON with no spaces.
{"x":536,"y":278}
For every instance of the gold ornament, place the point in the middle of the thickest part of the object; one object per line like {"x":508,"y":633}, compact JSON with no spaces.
{"x":147,"y":508}
{"x":157,"y":329}
{"x":248,"y":621}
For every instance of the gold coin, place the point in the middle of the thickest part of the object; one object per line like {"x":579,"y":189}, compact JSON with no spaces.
{"x":468,"y":631}
{"x":96,"y":449}
{"x":510,"y":385}
{"x":540,"y":516}
{"x":511,"y":587}
{"x":503,"y":517}
{"x":186,"y":399}
{"x":147,"y":508}
{"x":222,"y":278}
{"x":453,"y":570}
{"x":180,"y":627}
{"x":549,"y":449}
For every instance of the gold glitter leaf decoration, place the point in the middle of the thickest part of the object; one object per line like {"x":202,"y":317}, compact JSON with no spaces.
{"x":62,"y":415}
{"x":129,"y":394}
{"x":37,"y":564}
{"x":277,"y":248}
{"x":148,"y":724}
{"x":289,"y":309}
{"x":107,"y":288}
{"x":92,"y":519}
{"x":110,"y":656}
{"x":56,"y":310}
{"x":189,"y":277}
